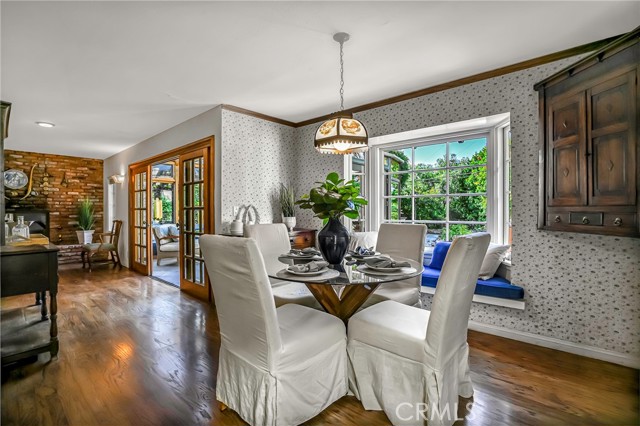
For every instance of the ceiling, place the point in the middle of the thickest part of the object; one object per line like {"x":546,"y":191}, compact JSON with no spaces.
{"x":111,"y":74}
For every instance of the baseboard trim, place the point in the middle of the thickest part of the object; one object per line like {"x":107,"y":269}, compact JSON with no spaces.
{"x":558,"y":344}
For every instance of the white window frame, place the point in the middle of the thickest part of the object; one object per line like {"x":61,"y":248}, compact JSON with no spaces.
{"x":497,"y":207}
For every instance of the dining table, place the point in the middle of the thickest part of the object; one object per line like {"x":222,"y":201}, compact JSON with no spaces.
{"x":342,"y":289}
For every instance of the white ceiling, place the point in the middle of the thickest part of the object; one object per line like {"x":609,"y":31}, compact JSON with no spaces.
{"x":111,"y":74}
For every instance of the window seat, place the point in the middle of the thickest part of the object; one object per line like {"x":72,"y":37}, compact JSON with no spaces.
{"x":496,"y":291}
{"x":493,"y":287}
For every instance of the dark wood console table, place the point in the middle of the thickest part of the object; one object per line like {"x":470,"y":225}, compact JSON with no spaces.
{"x":25,"y":270}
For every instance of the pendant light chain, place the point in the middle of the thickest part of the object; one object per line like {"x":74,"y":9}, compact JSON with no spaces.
{"x":341,"y":77}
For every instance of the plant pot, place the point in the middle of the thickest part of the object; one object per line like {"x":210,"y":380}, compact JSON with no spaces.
{"x":85,"y":237}
{"x":289,"y":221}
{"x":333,"y":241}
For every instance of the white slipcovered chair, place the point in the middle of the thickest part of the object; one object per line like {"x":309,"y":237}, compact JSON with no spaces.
{"x":273,"y":240}
{"x":407,"y":360}
{"x":277,"y":366}
{"x":404,"y":240}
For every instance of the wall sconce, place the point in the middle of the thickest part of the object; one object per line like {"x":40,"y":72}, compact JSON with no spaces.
{"x":116,"y":179}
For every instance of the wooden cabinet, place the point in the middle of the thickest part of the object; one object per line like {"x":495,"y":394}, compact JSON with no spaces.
{"x":29,"y":269}
{"x":302,"y":238}
{"x":589,"y":143}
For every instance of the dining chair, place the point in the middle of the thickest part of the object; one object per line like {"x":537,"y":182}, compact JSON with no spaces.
{"x":277,"y":366}
{"x":400,"y":240}
{"x":405,"y":360}
{"x":273,"y":240}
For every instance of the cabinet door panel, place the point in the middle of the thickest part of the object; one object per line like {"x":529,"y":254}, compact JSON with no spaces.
{"x":612,"y":142}
{"x":566,"y":175}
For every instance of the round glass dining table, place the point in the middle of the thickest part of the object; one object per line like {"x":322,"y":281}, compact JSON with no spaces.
{"x":342,"y":289}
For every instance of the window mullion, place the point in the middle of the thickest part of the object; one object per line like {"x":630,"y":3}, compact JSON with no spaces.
{"x":447,"y":174}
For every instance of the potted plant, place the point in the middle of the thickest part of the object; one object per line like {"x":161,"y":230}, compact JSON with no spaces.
{"x":330,"y":201}
{"x":86,"y":220}
{"x":288,"y":204}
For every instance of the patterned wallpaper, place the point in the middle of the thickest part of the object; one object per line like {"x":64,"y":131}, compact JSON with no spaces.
{"x":312,"y":167}
{"x":579,"y":288}
{"x":256,"y":156}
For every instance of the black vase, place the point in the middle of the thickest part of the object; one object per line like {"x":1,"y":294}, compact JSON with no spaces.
{"x":333,"y":241}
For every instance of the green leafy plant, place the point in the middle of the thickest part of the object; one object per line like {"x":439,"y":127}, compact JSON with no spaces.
{"x":86,"y":217}
{"x":287,"y":200}
{"x":333,"y":198}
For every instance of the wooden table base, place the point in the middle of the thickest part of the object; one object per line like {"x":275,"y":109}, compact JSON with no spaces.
{"x":345,"y":305}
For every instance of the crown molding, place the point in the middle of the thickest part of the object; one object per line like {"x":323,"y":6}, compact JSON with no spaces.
{"x":530,"y":63}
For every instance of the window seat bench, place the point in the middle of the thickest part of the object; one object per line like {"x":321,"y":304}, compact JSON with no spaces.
{"x":497,"y":290}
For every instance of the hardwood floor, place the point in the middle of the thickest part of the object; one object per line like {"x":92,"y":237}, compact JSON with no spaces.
{"x":134,"y":351}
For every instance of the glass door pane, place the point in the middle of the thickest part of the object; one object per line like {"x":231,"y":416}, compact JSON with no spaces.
{"x":194,"y":217}
{"x":140,"y":219}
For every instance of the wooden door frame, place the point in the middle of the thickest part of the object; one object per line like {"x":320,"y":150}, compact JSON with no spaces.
{"x":206,"y":143}
{"x":132,"y":213}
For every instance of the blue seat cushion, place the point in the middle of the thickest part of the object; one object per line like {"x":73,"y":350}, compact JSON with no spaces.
{"x":493,"y":287}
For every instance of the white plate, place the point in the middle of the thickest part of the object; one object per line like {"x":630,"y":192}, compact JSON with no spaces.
{"x":377,"y":269}
{"x":307,"y":274}
{"x":299,"y":256}
{"x":366,"y":256}
{"x":398,"y":271}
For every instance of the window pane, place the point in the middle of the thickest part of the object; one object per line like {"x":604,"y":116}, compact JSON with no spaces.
{"x":391,"y":209}
{"x":431,"y":156}
{"x":472,"y":208}
{"x":398,"y":184}
{"x":468,"y":180}
{"x":431,"y":208}
{"x":456,"y":229}
{"x":397,"y":160}
{"x":472,"y":151}
{"x":435,"y":232}
{"x":405,"y":209}
{"x":432,"y":182}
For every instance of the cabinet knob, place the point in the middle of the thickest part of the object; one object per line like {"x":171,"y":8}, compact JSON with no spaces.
{"x":557,"y":219}
{"x":564,"y":124}
{"x":617,"y":221}
{"x":585,"y":220}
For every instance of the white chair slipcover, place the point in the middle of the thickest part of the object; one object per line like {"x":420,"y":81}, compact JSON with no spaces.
{"x":277,"y":366}
{"x":366,"y":239}
{"x":406,"y":360}
{"x":404,"y":240}
{"x":273,"y":240}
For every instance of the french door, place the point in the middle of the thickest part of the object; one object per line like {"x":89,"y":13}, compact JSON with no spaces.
{"x":140,"y":218}
{"x":194,"y":219}
{"x":194,"y":187}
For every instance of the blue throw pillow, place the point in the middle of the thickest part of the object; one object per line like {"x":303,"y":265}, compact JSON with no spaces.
{"x":439,"y":254}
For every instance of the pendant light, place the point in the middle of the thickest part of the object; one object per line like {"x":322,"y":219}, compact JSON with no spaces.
{"x":341,"y":133}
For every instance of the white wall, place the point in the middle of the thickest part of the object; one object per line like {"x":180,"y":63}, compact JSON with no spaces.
{"x":204,"y":125}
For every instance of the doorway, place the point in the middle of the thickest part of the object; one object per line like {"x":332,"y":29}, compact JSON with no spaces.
{"x":165,"y":227}
{"x":171,"y":207}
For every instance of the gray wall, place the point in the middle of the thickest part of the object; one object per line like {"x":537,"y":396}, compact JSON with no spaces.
{"x":199,"y":127}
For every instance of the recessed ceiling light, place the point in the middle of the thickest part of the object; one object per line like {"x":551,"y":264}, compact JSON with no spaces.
{"x":45,"y":124}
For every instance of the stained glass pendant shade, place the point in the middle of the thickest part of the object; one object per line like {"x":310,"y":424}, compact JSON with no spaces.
{"x":341,"y":133}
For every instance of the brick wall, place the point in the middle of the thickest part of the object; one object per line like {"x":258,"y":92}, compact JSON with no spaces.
{"x":59,"y":182}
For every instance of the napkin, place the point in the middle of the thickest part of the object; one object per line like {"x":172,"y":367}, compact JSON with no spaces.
{"x":312,"y":266}
{"x":384,"y":261}
{"x":363,"y":251}
{"x":305,"y":252}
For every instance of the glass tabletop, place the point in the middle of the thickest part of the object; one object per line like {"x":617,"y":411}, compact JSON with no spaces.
{"x":353,"y":274}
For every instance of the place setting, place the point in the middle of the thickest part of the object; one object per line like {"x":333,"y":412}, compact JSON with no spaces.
{"x":383,"y":265}
{"x":312,"y":270}
{"x":299,"y":256}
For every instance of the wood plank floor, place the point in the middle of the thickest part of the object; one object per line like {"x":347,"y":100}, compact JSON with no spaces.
{"x":134,"y":351}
